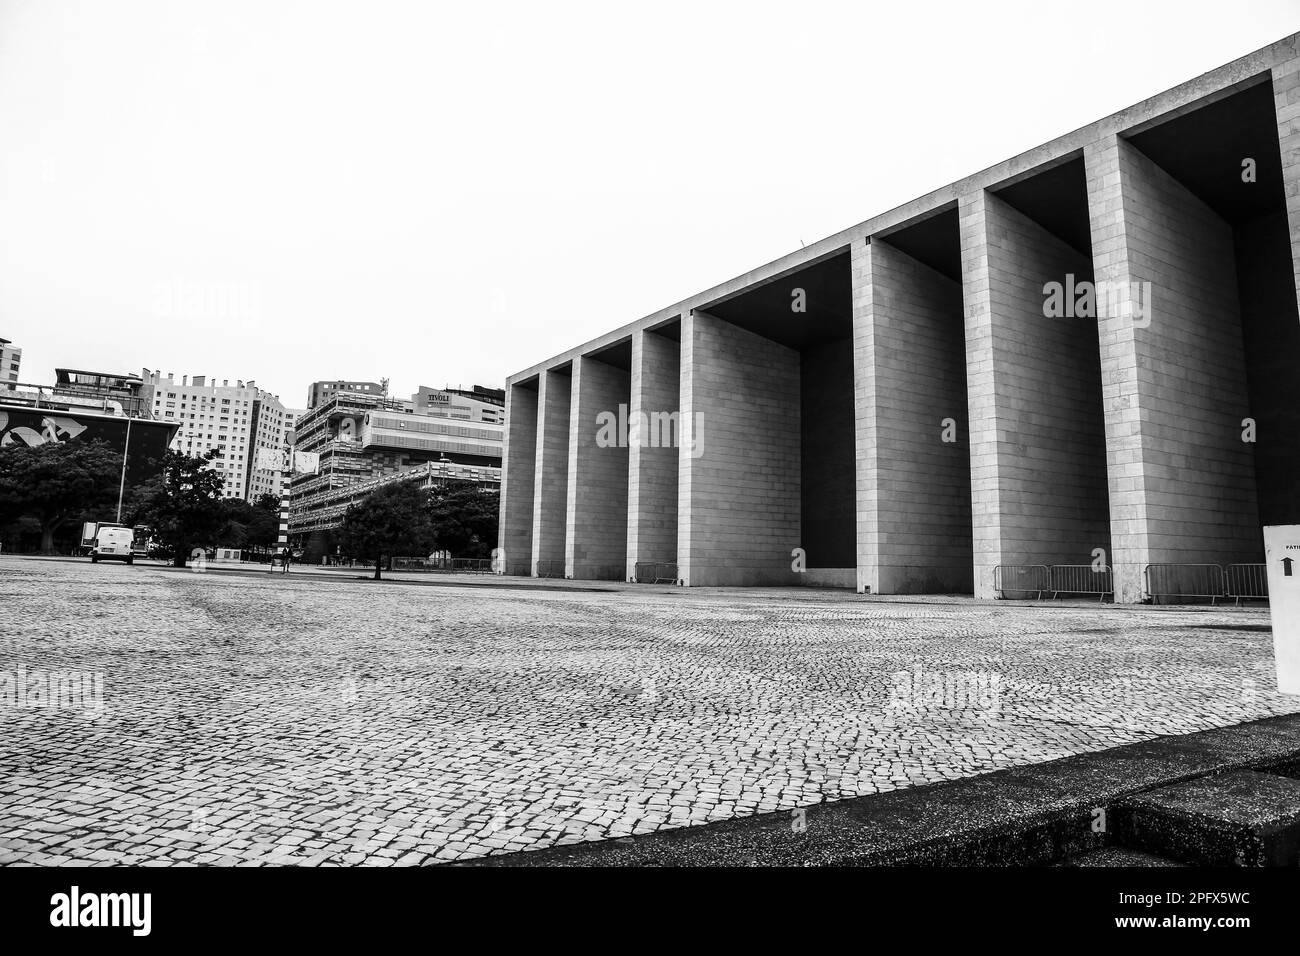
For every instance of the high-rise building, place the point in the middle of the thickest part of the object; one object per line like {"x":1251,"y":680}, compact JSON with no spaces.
{"x":273,"y":426}
{"x":237,"y":420}
{"x":10,"y":359}
{"x":367,"y":438}
{"x":323,"y":391}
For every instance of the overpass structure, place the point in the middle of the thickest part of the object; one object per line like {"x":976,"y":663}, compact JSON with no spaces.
{"x":1083,"y":356}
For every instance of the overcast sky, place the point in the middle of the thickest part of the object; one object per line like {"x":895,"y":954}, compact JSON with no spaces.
{"x":448,"y":193}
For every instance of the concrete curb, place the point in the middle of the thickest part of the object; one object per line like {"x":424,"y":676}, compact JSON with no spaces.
{"x":1023,"y":816}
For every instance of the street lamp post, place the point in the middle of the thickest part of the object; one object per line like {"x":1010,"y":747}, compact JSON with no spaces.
{"x":121,"y":486}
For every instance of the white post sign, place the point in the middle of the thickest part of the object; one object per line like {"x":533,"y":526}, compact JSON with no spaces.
{"x":1282,"y":554}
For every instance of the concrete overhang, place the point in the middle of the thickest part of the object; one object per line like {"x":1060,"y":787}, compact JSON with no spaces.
{"x":1233,"y":77}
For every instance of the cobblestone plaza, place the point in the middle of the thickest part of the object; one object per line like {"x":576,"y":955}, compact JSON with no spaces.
{"x":232,"y":718}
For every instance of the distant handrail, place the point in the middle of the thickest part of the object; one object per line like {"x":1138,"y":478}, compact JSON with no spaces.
{"x":1021,"y":578}
{"x":1081,"y":579}
{"x":1247,"y":582}
{"x":655,"y":572}
{"x":550,"y":569}
{"x":1184,"y":580}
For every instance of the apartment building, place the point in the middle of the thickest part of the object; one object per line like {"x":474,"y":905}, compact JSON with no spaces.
{"x":10,"y":359}
{"x":237,"y":420}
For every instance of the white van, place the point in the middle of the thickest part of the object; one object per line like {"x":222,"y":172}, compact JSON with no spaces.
{"x":113,"y":544}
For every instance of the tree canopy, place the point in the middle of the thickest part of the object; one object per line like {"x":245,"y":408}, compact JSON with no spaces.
{"x":55,"y":482}
{"x":464,"y":520}
{"x":393,"y":520}
{"x":182,"y":506}
{"x":250,"y":525}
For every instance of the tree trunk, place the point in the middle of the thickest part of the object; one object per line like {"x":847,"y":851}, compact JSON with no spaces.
{"x":47,"y":538}
{"x":179,"y":560}
{"x":378,"y":561}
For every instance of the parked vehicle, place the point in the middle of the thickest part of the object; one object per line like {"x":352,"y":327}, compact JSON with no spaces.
{"x":90,"y":530}
{"x":143,"y":541}
{"x":113,"y":544}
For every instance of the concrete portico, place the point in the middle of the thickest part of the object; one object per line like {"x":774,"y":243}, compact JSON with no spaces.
{"x":1082,"y":356}
{"x":653,"y":466}
{"x":596,"y":530}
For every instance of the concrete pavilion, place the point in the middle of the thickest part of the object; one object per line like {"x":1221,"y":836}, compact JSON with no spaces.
{"x":936,"y":410}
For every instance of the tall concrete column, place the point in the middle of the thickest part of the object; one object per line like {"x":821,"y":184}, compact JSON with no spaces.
{"x":1182,"y":482}
{"x":596,"y":530}
{"x":1037,"y":447}
{"x":652,"y":461}
{"x":518,"y":479}
{"x":1286,"y":98}
{"x":550,"y":500}
{"x":739,"y":473}
{"x":914,"y":487}
{"x":865,"y":430}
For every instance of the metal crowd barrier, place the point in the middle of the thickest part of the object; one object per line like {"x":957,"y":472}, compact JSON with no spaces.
{"x":420,"y":563}
{"x":550,"y":569}
{"x":472,"y":565}
{"x":1247,"y":582}
{"x":1022,"y":578}
{"x":1242,"y":582}
{"x":1080,"y":579}
{"x":655,"y":572}
{"x":1185,"y":580}
{"x":407,"y":564}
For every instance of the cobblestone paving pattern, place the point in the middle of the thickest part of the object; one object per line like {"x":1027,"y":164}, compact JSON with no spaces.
{"x":292,"y":720}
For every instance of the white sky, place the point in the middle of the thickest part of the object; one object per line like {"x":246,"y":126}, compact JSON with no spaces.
{"x":446,"y":193}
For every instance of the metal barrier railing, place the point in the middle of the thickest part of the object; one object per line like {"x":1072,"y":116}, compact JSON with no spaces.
{"x":407,"y":563}
{"x":421,"y":563}
{"x":550,"y":569}
{"x":1081,"y":579}
{"x":472,"y":565}
{"x":655,"y":572}
{"x":1021,"y":578}
{"x":1242,"y":582}
{"x":1184,"y":580}
{"x":1246,"y":582}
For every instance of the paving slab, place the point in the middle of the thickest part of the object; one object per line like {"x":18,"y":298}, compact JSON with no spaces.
{"x":1242,"y":818}
{"x":246,"y":714}
{"x":1064,"y":809}
{"x":1113,"y":856}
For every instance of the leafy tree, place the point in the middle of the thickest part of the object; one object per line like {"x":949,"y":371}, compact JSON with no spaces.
{"x":264,"y":527}
{"x":250,"y":525}
{"x":183,"y":505}
{"x":55,"y":482}
{"x":236,"y":516}
{"x":465,"y":520}
{"x":392,"y":520}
